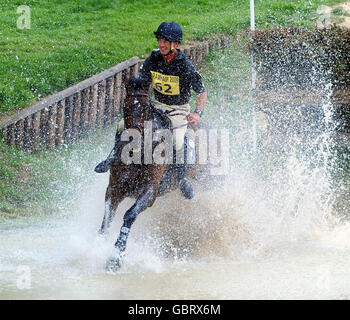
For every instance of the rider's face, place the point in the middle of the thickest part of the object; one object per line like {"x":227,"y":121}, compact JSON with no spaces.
{"x":165,"y":46}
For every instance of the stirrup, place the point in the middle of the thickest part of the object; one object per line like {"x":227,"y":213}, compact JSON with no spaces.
{"x":186,"y":188}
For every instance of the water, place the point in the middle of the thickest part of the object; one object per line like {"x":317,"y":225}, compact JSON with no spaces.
{"x":231,"y":250}
{"x":239,"y":243}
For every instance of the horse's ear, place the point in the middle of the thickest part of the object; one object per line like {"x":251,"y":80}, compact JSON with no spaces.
{"x":137,"y":84}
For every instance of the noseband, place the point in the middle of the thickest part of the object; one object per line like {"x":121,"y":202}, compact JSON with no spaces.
{"x":153,"y":109}
{"x":137,"y":93}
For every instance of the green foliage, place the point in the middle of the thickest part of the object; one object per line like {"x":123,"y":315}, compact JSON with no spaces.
{"x":339,"y":11}
{"x":46,"y":180}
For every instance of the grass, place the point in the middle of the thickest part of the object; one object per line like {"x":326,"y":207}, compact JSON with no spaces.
{"x":69,"y":41}
{"x":339,"y":11}
{"x":48,"y":181}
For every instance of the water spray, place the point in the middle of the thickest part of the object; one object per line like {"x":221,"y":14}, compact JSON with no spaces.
{"x":252,"y":28}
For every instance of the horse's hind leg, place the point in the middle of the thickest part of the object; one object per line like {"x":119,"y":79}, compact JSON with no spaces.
{"x":140,"y":205}
{"x":112,"y":200}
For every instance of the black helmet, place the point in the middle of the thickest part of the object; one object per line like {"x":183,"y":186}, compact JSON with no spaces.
{"x":170,"y":31}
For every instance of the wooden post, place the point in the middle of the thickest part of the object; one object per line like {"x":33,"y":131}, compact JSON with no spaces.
{"x":109,"y":100}
{"x":213,"y":44}
{"x":85,"y":97}
{"x":93,"y":106}
{"x":44,"y":116}
{"x":193,"y":54}
{"x":139,"y":65}
{"x":205,"y":51}
{"x":126,"y":77}
{"x":28,"y":133}
{"x":101,"y":99}
{"x":19,"y":133}
{"x":199,"y":53}
{"x":36,"y":131}
{"x":134,"y":70}
{"x":123,"y":86}
{"x":223,"y":42}
{"x":60,"y":122}
{"x":76,"y":115}
{"x":51,"y":124}
{"x":128,"y":73}
{"x":68,"y":123}
{"x":11,"y":134}
{"x":117,"y":94}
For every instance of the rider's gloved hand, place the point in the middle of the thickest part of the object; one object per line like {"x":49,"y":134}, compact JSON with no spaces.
{"x":193,"y":118}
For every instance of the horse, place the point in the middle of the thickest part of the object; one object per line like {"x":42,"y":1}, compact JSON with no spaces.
{"x":142,"y":181}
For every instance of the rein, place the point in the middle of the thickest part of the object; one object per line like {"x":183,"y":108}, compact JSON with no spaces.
{"x":167,"y":112}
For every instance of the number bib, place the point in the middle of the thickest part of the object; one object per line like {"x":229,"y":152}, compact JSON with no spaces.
{"x":169,"y":85}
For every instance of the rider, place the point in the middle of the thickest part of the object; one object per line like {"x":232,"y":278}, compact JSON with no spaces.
{"x":172,"y":75}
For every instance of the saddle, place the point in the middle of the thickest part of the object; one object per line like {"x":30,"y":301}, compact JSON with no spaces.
{"x":160,"y":116}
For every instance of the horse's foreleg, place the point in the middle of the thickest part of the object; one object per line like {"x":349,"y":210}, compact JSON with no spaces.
{"x":141,"y":204}
{"x":112,"y":200}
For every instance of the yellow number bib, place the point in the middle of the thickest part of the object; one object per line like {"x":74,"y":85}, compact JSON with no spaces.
{"x":164,"y":84}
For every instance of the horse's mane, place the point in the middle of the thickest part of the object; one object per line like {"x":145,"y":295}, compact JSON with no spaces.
{"x":135,"y":84}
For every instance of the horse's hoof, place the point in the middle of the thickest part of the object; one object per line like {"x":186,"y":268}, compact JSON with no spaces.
{"x":113,"y":264}
{"x":186,"y":189}
{"x":102,"y":235}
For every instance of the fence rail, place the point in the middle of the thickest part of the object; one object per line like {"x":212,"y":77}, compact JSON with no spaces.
{"x":93,"y":103}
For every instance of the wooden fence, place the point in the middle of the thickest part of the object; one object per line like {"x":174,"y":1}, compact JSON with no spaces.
{"x":91,"y":104}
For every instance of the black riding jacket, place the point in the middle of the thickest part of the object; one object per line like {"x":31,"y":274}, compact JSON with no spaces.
{"x":172,"y":83}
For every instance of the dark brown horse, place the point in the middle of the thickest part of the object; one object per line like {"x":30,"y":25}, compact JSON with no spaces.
{"x":142,"y":181}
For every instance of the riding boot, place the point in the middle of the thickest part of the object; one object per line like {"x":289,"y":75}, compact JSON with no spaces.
{"x":185,"y":185}
{"x":106,"y":164}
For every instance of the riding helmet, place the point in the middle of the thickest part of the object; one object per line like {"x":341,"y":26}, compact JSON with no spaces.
{"x":170,"y":31}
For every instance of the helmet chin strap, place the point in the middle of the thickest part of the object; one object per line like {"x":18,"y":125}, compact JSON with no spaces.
{"x":171,"y":51}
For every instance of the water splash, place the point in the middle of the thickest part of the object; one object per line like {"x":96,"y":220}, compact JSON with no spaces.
{"x":272,"y":219}
{"x":281,"y":196}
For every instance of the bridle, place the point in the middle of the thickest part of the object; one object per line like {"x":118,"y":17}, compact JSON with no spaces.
{"x":144,"y":94}
{"x":137,"y":93}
